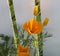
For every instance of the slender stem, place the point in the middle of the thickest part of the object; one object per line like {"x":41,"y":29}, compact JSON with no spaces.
{"x":40,"y":44}
{"x":13,"y":21}
{"x":40,"y":38}
{"x":35,"y":52}
{"x":13,"y":18}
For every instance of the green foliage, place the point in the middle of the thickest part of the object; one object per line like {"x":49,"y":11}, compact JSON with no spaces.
{"x":4,"y":46}
{"x":25,"y":38}
{"x":46,"y":35}
{"x":7,"y":46}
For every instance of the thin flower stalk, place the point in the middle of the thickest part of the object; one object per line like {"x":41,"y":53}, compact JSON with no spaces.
{"x":13,"y":18}
{"x":40,"y":38}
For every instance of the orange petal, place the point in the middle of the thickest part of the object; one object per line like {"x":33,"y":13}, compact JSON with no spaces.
{"x":26,"y":27}
{"x":23,"y":54}
{"x":23,"y":49}
{"x":37,"y":27}
{"x":30,"y":23}
{"x":20,"y":48}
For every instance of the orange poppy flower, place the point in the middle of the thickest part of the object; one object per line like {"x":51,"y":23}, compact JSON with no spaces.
{"x":23,"y":51}
{"x":35,"y":10}
{"x":45,"y":21}
{"x":33,"y":27}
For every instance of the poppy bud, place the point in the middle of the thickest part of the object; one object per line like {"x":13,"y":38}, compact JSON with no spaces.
{"x":35,"y":10}
{"x":45,"y":21}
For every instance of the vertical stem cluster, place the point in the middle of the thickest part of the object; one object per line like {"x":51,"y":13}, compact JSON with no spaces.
{"x":13,"y":18}
{"x":40,"y":38}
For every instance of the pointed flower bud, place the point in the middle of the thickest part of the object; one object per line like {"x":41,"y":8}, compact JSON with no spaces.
{"x":45,"y":21}
{"x":35,"y":10}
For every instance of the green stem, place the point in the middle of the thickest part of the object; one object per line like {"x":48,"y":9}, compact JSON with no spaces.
{"x":13,"y":18}
{"x":35,"y":52}
{"x":40,"y":38}
{"x":40,"y":44}
{"x":13,"y":21}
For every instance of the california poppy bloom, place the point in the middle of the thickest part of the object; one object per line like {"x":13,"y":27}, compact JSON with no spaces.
{"x":33,"y":27}
{"x":23,"y":51}
{"x":45,"y":21}
{"x":35,"y":10}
